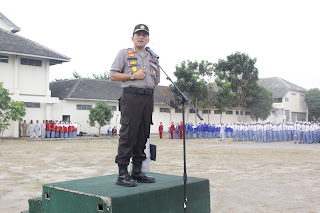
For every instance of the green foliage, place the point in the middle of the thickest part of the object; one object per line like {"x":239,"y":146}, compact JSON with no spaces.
{"x":100,"y":115}
{"x":104,"y":76}
{"x":9,"y":109}
{"x":312,"y":99}
{"x":76,"y":75}
{"x":190,"y":79}
{"x":261,"y":103}
{"x":224,"y":98}
{"x":61,"y":79}
{"x":239,"y":69}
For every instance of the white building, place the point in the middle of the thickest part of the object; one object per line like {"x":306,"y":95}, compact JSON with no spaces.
{"x":24,"y":69}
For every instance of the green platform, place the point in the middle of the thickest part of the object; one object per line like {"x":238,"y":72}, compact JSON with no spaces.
{"x":101,"y":194}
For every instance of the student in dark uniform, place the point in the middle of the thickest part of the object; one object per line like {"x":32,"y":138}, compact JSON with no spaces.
{"x":139,"y":74}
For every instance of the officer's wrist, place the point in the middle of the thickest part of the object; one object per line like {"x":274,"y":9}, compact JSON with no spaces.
{"x":131,"y":76}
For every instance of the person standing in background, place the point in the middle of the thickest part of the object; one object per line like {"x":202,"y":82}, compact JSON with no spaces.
{"x":37,"y":128}
{"x":31,"y":129}
{"x":160,"y":130}
{"x":43,"y":129}
{"x":25,"y":128}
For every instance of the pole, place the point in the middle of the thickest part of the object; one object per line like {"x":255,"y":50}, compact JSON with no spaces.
{"x":183,"y":99}
{"x":185,"y":177}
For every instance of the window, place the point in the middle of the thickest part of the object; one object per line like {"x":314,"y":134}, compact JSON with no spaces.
{"x":302,"y":95}
{"x":4,"y":59}
{"x":248,"y":113}
{"x":287,"y":99}
{"x":229,"y":112}
{"x":293,"y":93}
{"x":241,"y":113}
{"x":32,"y":104}
{"x":31,"y":62}
{"x":217,"y":112}
{"x":165,"y":110}
{"x":277,"y":100}
{"x":66,"y":118}
{"x":192,"y":111}
{"x":205,"y":111}
{"x":83,"y":107}
{"x":114,"y":108}
{"x":178,"y":110}
{"x":237,"y":112}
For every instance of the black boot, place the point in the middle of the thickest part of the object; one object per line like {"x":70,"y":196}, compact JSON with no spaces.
{"x":140,"y":176}
{"x":124,"y":179}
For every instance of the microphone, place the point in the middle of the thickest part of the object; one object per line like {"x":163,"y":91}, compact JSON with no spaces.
{"x":152,"y":53}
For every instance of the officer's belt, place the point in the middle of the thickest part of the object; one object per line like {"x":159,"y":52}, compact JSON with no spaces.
{"x":135,"y":90}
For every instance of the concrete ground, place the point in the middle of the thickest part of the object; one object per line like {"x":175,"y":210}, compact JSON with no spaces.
{"x":244,"y":176}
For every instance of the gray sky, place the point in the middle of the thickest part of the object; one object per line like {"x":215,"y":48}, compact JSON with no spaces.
{"x":283,"y":35}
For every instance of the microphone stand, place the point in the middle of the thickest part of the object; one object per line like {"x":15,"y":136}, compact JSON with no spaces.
{"x":183,"y":100}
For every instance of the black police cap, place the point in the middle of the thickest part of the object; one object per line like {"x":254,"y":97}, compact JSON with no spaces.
{"x":141,"y":27}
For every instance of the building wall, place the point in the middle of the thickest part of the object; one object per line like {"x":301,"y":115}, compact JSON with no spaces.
{"x":33,"y":79}
{"x":295,"y":102}
{"x":4,"y":25}
{"x":28,"y":84}
{"x":293,"y":106}
{"x":69,"y":107}
{"x":31,"y":114}
{"x":7,"y":73}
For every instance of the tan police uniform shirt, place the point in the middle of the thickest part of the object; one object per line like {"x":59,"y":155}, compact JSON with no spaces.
{"x":130,"y":61}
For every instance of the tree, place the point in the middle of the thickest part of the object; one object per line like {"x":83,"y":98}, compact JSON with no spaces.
{"x":75,"y":74}
{"x":100,"y":115}
{"x":261,"y":103}
{"x":224,"y":98}
{"x":239,"y":69}
{"x":104,"y":76}
{"x":190,"y":79}
{"x":9,"y":110}
{"x":312,"y":98}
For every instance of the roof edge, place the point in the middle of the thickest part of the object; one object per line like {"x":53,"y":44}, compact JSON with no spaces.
{"x":36,"y":56}
{"x":66,"y":57}
{"x":85,"y":99}
{"x":14,"y":28}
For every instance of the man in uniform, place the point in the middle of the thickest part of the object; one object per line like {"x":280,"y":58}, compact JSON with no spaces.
{"x":25,"y":128}
{"x":139,"y":74}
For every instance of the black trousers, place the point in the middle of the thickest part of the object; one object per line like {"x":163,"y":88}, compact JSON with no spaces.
{"x":136,"y":118}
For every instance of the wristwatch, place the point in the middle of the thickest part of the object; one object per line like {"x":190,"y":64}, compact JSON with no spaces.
{"x":132,"y":76}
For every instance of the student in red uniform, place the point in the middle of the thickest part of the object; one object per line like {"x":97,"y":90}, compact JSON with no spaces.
{"x":70,"y":129}
{"x":52,"y":129}
{"x":66,"y":132}
{"x":181,"y":129}
{"x":160,"y":129}
{"x":57,"y":130}
{"x":172,"y":128}
{"x":61,"y":128}
{"x":48,"y":129}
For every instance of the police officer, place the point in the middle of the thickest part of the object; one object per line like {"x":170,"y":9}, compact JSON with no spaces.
{"x":139,"y":74}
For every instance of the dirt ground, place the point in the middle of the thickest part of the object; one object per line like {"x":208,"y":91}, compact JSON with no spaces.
{"x":244,"y":176}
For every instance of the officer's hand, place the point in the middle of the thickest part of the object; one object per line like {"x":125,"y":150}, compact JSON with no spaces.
{"x":140,"y":74}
